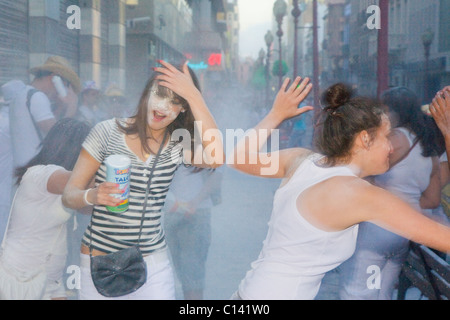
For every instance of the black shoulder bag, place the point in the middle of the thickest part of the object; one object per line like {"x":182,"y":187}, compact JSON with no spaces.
{"x":124,"y":271}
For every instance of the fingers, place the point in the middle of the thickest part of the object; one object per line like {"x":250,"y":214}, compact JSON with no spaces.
{"x":298,"y":86}
{"x":304,"y":110}
{"x":186,"y":67}
{"x":304,"y":87}
{"x":284,"y":85}
{"x":104,"y":192}
{"x":295,"y":84}
{"x":167,"y":66}
{"x":438,"y":105}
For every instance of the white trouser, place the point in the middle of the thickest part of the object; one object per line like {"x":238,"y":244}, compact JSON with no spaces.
{"x":160,"y":283}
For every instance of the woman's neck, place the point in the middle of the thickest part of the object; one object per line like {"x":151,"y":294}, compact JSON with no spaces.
{"x":157,"y":135}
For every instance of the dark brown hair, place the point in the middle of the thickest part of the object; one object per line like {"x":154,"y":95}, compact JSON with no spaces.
{"x":406,"y":105}
{"x":184,"y":120}
{"x":61,"y":146}
{"x":344,"y":115}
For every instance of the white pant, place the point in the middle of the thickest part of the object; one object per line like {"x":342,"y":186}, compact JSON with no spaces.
{"x":160,"y":283}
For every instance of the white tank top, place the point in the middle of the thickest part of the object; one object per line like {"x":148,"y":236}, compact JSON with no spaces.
{"x":295,"y":254}
{"x":411,"y":176}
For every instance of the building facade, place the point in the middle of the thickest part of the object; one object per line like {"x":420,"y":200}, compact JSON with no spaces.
{"x":112,"y":41}
{"x":419,"y":45}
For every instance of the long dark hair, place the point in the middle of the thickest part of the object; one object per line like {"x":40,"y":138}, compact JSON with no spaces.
{"x":344,"y":116}
{"x":185,"y":120}
{"x":61,"y":146}
{"x":406,"y":105}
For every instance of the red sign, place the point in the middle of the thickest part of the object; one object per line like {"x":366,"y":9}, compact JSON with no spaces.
{"x":215,"y":59}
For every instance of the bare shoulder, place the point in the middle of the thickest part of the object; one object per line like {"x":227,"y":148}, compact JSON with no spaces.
{"x":292,"y":159}
{"x":339,"y":202}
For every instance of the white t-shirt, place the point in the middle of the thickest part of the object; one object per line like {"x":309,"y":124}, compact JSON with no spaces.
{"x":37,"y":226}
{"x":411,"y":176}
{"x":25,"y":139}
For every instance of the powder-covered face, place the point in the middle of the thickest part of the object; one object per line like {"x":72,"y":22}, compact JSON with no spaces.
{"x":161,"y":112}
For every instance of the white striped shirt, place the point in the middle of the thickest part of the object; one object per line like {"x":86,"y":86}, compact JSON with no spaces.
{"x":115,"y":231}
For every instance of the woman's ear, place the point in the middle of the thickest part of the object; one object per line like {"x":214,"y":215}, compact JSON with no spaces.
{"x":363,"y":139}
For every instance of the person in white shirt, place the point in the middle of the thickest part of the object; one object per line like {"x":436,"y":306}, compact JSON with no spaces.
{"x":5,"y":165}
{"x":323,"y":197}
{"x":30,"y":123}
{"x":414,"y":176}
{"x":34,"y":248}
{"x":90,"y":98}
{"x":32,"y":111}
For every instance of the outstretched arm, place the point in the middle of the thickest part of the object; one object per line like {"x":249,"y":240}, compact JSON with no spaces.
{"x":376,"y":205}
{"x":247,"y":156}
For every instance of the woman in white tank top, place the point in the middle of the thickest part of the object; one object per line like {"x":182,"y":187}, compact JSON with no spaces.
{"x":414,"y":177}
{"x":323,"y":198}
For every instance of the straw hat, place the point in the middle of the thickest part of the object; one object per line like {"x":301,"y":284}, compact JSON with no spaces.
{"x":114,"y":91}
{"x":61,"y":67}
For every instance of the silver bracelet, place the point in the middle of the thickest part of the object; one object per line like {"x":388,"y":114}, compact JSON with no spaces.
{"x":85,"y":197}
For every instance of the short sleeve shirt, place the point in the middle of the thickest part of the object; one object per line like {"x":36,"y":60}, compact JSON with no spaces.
{"x":109,"y":231}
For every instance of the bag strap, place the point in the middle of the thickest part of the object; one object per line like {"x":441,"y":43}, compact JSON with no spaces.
{"x":150,"y":181}
{"x":30,"y":93}
{"x":146,"y":194}
{"x":405,"y":155}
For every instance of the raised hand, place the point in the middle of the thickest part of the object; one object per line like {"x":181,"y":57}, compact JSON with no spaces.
{"x":440,"y":110}
{"x":288,"y":99}
{"x":178,"y":81}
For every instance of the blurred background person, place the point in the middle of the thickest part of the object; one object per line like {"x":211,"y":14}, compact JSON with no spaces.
{"x":116,"y":104}
{"x":89,"y":109}
{"x":413,"y":176}
{"x":193,"y":193}
{"x":27,"y":115}
{"x":35,"y":108}
{"x":34,"y":248}
{"x":6,"y":165}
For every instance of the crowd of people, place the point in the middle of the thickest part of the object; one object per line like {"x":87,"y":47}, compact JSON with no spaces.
{"x":368,"y":184}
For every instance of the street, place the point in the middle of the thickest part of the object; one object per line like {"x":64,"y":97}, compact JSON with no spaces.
{"x":239,"y":227}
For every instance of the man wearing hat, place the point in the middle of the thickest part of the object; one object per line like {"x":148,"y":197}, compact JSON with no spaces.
{"x":116,"y":102}
{"x":89,"y":109}
{"x":38,"y":106}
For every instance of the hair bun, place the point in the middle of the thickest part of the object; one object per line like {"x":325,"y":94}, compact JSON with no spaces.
{"x":337,"y":95}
